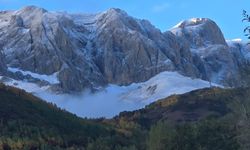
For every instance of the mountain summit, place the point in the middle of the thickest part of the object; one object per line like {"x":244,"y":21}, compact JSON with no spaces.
{"x":200,"y":31}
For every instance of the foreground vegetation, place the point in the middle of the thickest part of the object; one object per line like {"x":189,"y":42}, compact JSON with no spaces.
{"x":217,"y":119}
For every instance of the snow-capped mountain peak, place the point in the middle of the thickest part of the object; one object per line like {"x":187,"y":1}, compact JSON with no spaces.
{"x":111,"y":47}
{"x":68,"y":53}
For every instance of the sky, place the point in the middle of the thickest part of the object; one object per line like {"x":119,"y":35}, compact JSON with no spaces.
{"x":163,"y":14}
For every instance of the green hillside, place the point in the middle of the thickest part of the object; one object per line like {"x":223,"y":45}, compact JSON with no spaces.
{"x":206,"y":119}
{"x":191,"y":107}
{"x":27,"y":122}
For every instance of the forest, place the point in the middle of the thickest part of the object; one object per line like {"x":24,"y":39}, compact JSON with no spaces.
{"x":204,"y":119}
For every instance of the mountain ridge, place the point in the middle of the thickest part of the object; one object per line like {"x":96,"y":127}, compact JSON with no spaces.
{"x":93,"y":50}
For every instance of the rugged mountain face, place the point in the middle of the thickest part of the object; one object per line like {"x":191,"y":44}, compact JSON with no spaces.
{"x":130,"y":50}
{"x":199,"y":32}
{"x":216,"y":60}
{"x":92,"y":50}
{"x":241,"y":53}
{"x":39,"y":43}
{"x":89,"y":50}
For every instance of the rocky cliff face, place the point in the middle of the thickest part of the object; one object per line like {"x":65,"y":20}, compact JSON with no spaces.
{"x":199,"y":32}
{"x":3,"y":67}
{"x":217,"y":60}
{"x":92,"y":50}
{"x":43,"y":42}
{"x":129,"y":50}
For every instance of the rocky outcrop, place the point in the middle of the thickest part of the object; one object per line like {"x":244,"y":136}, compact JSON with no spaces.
{"x":129,"y":50}
{"x":40,"y":43}
{"x":241,"y":52}
{"x":199,"y":32}
{"x":3,"y":67}
{"x":216,"y":60}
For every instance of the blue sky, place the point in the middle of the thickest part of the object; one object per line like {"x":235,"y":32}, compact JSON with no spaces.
{"x":162,"y":13}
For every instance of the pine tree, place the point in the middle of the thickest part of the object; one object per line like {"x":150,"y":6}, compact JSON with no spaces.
{"x":246,"y":18}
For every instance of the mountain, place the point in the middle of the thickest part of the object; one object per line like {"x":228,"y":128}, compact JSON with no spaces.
{"x":180,"y":120}
{"x":218,"y":61}
{"x":125,"y":63}
{"x":87,"y":50}
{"x":199,"y":32}
{"x":78,"y":60}
{"x":93,"y":50}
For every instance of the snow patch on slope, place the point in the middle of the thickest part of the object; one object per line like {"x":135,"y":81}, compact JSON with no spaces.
{"x":115,"y":99}
{"x":177,"y":25}
{"x":27,"y":86}
{"x":242,"y":45}
{"x":190,"y":22}
{"x":163,"y":85}
{"x":234,"y":41}
{"x":52,"y":79}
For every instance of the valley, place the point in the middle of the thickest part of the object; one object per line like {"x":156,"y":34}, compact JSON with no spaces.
{"x":110,"y":81}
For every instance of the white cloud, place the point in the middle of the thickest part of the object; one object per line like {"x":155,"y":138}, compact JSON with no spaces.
{"x":160,"y":7}
{"x":115,"y":99}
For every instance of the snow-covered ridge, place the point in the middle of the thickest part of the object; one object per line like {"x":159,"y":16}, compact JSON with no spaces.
{"x":115,"y":99}
{"x":177,"y":25}
{"x":92,"y":50}
{"x":234,"y":41}
{"x":243,"y":45}
{"x":163,"y":85}
{"x":52,"y":79}
{"x":190,"y":22}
